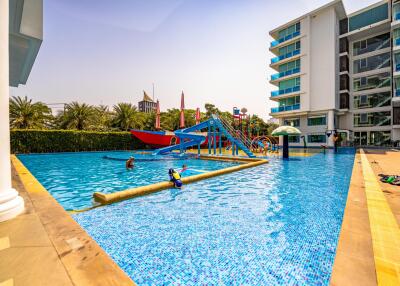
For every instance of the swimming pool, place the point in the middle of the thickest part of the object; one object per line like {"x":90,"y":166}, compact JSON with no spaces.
{"x":72,"y":178}
{"x":275,"y":224}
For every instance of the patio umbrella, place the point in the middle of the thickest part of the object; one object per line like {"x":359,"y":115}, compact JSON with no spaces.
{"x":158,"y":121}
{"x":197,"y":116}
{"x":285,"y":131}
{"x":182,"y":115}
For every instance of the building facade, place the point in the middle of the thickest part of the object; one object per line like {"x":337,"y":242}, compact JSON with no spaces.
{"x":147,"y":104}
{"x":339,"y":73}
{"x":21,"y":34}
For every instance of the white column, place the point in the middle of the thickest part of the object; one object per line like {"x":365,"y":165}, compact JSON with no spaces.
{"x":11,"y":204}
{"x":331,"y":126}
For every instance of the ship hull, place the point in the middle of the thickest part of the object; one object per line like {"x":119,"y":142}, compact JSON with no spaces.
{"x":159,"y":139}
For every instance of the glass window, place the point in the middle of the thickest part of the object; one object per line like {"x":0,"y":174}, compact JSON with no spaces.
{"x":379,"y":138}
{"x":294,"y":139}
{"x":372,"y":119}
{"x":316,"y":138}
{"x":369,"y":17}
{"x":315,"y":121}
{"x":371,"y":44}
{"x":289,"y":66}
{"x":371,"y":82}
{"x":289,"y":48}
{"x":379,"y":99}
{"x":289,"y":83}
{"x":295,"y":122}
{"x":288,"y":31}
{"x":372,"y":63}
{"x":289,"y":101}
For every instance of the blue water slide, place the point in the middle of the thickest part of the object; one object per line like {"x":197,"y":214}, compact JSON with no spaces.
{"x":187,"y":138}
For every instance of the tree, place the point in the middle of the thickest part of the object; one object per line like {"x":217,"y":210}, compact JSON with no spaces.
{"x":27,"y":115}
{"x":211,"y":109}
{"x":77,"y":116}
{"x":126,"y":117}
{"x":102,"y":118}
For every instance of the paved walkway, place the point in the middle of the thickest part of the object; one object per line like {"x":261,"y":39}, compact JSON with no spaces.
{"x":368,"y":251}
{"x":45,"y":246}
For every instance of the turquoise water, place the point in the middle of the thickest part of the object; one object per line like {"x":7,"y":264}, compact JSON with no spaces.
{"x":275,"y":224}
{"x":72,"y":178}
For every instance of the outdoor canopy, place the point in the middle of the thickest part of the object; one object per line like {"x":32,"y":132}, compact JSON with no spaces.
{"x":285,"y":131}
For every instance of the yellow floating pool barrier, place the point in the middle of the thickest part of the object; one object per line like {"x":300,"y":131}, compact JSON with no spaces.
{"x":145,"y":190}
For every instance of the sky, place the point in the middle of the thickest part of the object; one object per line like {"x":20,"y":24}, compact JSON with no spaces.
{"x":109,"y":51}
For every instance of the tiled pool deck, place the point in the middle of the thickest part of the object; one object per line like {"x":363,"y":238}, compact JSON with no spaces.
{"x":45,"y":246}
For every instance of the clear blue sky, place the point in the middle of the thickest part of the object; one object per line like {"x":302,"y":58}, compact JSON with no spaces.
{"x":108,"y":51}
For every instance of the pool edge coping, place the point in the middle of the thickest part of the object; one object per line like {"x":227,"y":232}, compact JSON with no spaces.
{"x":84,"y":260}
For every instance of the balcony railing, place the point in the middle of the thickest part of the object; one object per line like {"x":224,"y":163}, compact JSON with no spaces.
{"x":284,"y":39}
{"x":397,"y":93}
{"x":397,"y":42}
{"x":286,"y":73}
{"x":285,"y":91}
{"x":282,"y":57}
{"x":397,"y":67}
{"x":397,"y":16}
{"x":285,"y":108}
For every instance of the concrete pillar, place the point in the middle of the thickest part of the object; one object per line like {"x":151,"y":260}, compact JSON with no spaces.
{"x":331,"y":127}
{"x":11,"y":204}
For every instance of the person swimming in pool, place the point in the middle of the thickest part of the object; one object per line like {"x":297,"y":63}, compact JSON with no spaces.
{"x":175,"y":177}
{"x":129,"y":163}
{"x":184,"y":168}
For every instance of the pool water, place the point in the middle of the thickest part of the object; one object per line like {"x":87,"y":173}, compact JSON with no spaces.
{"x":275,"y":224}
{"x":72,"y":178}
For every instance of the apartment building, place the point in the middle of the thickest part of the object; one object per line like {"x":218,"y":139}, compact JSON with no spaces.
{"x":339,"y":73}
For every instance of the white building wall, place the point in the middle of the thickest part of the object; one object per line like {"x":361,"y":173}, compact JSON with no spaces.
{"x":323,"y":60}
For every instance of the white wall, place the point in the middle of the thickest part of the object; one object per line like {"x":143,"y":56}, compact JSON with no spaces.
{"x":323,"y":60}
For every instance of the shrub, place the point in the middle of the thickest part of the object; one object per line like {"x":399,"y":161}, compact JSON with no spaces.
{"x":46,"y":141}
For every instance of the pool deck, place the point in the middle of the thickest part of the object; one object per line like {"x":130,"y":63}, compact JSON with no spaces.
{"x":368,"y":250}
{"x":45,"y":246}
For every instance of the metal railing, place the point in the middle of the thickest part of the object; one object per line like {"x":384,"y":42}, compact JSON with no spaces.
{"x":285,"y":56}
{"x":286,"y":73}
{"x":237,"y":134}
{"x":285,"y":91}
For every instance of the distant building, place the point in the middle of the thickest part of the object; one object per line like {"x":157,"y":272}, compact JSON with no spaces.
{"x":339,"y":72}
{"x":147,"y":104}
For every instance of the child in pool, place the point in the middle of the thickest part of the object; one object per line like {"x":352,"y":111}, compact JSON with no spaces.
{"x":175,"y":177}
{"x":184,"y":168}
{"x":129,"y":163}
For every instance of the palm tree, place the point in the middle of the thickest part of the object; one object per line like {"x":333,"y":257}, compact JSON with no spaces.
{"x":126,"y":116}
{"x":27,"y":115}
{"x":77,"y":116}
{"x":102,"y":117}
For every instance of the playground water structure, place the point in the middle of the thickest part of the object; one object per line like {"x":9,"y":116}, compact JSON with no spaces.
{"x":216,"y":128}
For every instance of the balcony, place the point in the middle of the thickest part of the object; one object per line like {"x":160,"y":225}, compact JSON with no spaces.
{"x":397,"y":42}
{"x":397,"y":16}
{"x":282,"y":57}
{"x":285,"y":91}
{"x":285,"y":108}
{"x":284,"y":39}
{"x":286,"y":73}
{"x":397,"y":67}
{"x":397,"y":92}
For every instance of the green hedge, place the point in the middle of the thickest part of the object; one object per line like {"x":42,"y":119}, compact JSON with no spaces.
{"x":45,"y":141}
